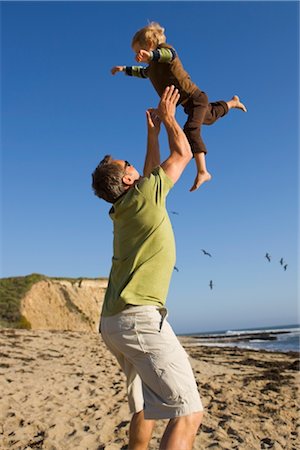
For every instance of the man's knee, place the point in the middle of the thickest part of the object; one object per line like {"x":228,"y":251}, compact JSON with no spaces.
{"x":194,"y":421}
{"x":192,"y":425}
{"x":191,"y":422}
{"x":198,"y":418}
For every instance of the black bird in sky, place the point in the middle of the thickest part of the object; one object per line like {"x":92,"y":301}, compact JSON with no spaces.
{"x":285,"y":266}
{"x":268,"y":257}
{"x":174,"y":212}
{"x":281,"y":261}
{"x":176,"y":268}
{"x":205,"y":252}
{"x":211,"y":284}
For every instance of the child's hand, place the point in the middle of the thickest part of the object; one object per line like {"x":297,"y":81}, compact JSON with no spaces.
{"x":116,"y":69}
{"x":142,"y":56}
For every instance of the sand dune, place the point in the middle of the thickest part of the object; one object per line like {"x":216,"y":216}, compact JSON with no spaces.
{"x":63,"y":391}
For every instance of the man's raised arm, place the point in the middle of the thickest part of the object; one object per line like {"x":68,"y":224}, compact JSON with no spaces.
{"x":152,"y":159}
{"x":180,"y":150}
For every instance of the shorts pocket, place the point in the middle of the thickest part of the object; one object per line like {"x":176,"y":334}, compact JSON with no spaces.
{"x":173,"y":374}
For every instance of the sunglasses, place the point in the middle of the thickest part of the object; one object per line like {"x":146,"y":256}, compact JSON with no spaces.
{"x":127,"y":164}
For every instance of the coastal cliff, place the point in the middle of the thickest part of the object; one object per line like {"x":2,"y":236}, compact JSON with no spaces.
{"x":43,"y":303}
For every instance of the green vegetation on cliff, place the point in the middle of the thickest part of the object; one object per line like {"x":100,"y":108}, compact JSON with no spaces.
{"x":12,"y":290}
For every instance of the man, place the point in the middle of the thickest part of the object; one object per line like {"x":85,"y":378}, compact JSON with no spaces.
{"x":160,"y":381}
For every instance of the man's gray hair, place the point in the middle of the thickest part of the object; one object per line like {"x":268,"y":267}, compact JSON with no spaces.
{"x":107,"y":180}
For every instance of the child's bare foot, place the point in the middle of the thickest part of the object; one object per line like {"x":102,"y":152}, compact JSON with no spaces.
{"x":235,"y":103}
{"x":201,"y":178}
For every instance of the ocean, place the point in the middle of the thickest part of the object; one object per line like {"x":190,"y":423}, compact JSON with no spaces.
{"x":277,"y":339}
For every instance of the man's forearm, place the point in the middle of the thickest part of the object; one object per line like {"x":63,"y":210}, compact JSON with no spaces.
{"x":153,"y":154}
{"x":180,"y":150}
{"x":178,"y":142}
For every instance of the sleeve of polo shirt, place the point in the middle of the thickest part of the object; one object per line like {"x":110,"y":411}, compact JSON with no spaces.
{"x":157,"y":186}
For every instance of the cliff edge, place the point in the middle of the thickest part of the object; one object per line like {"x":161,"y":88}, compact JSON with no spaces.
{"x":60,"y":304}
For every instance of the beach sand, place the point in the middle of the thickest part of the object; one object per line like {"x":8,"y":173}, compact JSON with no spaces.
{"x":63,"y":391}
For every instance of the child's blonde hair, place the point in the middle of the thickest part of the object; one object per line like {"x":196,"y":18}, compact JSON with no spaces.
{"x":152,"y":32}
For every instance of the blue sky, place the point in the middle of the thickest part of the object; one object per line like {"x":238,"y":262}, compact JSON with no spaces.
{"x":62,"y":111}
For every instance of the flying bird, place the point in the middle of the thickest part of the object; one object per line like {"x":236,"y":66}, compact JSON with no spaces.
{"x":211,"y":284}
{"x":176,"y":268}
{"x":285,"y":266}
{"x":281,"y":261}
{"x":268,"y":257}
{"x":205,"y":252}
{"x":174,"y":212}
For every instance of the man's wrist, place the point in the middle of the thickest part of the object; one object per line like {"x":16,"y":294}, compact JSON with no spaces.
{"x":169,"y":120}
{"x":153,"y":134}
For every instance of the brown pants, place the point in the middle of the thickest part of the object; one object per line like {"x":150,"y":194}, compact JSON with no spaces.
{"x":200,"y":112}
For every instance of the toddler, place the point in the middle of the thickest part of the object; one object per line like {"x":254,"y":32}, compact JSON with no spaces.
{"x":164,"y":69}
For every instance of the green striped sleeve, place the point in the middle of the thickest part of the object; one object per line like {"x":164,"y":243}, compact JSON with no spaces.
{"x":163,"y":55}
{"x":136,"y":71}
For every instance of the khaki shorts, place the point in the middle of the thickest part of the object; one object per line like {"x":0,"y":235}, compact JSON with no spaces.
{"x":160,"y":379}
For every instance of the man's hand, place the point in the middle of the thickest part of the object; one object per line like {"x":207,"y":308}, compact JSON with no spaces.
{"x":116,"y":69}
{"x":153,"y":121}
{"x":143,"y":56}
{"x":167,"y":105}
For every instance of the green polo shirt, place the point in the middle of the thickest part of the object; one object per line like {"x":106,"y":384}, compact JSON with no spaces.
{"x":144,"y":246}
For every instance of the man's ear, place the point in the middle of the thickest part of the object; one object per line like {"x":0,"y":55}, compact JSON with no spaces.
{"x":128,"y":180}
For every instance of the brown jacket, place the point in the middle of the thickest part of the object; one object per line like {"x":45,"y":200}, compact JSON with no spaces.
{"x":162,"y":75}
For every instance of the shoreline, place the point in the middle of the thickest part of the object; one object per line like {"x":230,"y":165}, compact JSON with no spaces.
{"x":65,"y":391}
{"x":185,"y":340}
{"x":270,"y":341}
{"x":199,"y":350}
{"x":227,"y":346}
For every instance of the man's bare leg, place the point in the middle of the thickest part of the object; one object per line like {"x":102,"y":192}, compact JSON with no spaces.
{"x":236,"y":103}
{"x":140,"y":432}
{"x":181,"y":432}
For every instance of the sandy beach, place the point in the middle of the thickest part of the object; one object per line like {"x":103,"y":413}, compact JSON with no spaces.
{"x":63,"y":391}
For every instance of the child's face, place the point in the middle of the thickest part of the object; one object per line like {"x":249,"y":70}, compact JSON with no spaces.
{"x":137,"y":47}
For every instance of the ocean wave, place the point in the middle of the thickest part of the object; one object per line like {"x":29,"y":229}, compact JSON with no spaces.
{"x":263,"y":330}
